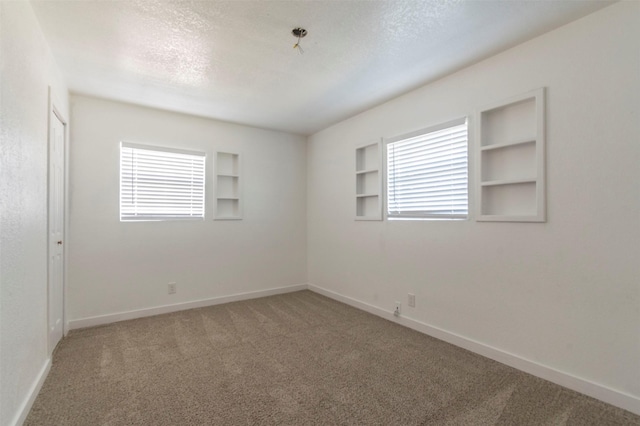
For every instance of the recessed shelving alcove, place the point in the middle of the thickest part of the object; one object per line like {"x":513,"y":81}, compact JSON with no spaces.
{"x":227,"y":186}
{"x":510,"y":160}
{"x":369,"y":181}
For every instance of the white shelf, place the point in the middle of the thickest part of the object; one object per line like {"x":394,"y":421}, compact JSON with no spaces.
{"x":507,"y":181}
{"x":505,"y":218}
{"x":361,"y":172}
{"x":227,"y":186}
{"x":508,"y":144}
{"x":368,"y":218}
{"x":368,"y":173}
{"x":510,"y":160}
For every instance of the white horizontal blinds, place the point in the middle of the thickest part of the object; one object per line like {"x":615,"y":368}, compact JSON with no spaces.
{"x":160,"y":183}
{"x":428,"y":173}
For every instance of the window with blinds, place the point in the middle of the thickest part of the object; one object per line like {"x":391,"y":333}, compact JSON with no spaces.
{"x":427,"y":173}
{"x":160,"y":183}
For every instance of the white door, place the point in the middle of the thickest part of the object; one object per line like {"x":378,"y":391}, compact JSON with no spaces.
{"x":56,"y":230}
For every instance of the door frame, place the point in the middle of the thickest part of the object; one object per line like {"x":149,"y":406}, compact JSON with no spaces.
{"x":54,"y":112}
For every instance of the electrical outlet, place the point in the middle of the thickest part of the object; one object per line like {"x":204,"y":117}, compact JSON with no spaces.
{"x":172,"y":288}
{"x":411,"y":300}
{"x":396,"y":311}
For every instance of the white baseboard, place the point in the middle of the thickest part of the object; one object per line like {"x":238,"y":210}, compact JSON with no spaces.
{"x":122,"y":316}
{"x":33,"y":392}
{"x":603,"y":393}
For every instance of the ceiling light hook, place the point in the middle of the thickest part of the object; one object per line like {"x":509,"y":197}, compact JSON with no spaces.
{"x":299,"y":33}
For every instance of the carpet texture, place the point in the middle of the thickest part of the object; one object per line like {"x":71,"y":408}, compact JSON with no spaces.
{"x":292,"y":359}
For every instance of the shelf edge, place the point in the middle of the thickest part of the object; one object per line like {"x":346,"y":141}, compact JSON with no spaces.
{"x":507,"y":182}
{"x":508,"y":144}
{"x":361,"y":172}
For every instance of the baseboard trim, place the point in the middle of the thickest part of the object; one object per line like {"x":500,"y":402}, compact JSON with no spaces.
{"x":165,"y":309}
{"x":33,"y":392}
{"x":603,"y":393}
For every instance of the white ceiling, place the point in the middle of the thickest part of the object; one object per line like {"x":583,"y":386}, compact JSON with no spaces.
{"x":234,"y":60}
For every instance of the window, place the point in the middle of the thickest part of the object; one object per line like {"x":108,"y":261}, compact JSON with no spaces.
{"x":160,"y":183}
{"x":427,"y":173}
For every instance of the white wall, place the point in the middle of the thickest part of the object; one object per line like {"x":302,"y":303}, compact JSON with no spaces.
{"x":27,"y":72}
{"x":125,"y":266}
{"x":564,"y":294}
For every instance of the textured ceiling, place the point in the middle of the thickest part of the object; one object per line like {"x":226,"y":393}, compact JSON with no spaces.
{"x":234,"y":60}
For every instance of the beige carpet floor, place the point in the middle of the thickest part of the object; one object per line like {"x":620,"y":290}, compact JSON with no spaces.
{"x":293,"y":359}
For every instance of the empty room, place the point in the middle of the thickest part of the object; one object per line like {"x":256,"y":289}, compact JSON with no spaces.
{"x":394,"y":212}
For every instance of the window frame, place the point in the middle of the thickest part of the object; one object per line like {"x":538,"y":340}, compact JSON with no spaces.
{"x":430,"y":129}
{"x":158,"y":148}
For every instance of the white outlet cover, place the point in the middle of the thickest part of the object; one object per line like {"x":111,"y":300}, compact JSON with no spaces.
{"x":411,"y":300}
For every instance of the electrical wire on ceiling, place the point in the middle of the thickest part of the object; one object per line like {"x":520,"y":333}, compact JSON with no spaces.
{"x":299,"y":33}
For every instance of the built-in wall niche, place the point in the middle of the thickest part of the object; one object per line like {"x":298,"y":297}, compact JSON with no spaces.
{"x":510,"y":160}
{"x":227,"y":186}
{"x":369,"y":181}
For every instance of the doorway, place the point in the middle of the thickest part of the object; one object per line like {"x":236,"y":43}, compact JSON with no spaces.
{"x":56,"y":213}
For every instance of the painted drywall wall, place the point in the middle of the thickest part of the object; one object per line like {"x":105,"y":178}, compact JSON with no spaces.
{"x":126,"y":266}
{"x":564,"y":294}
{"x":27,"y":71}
